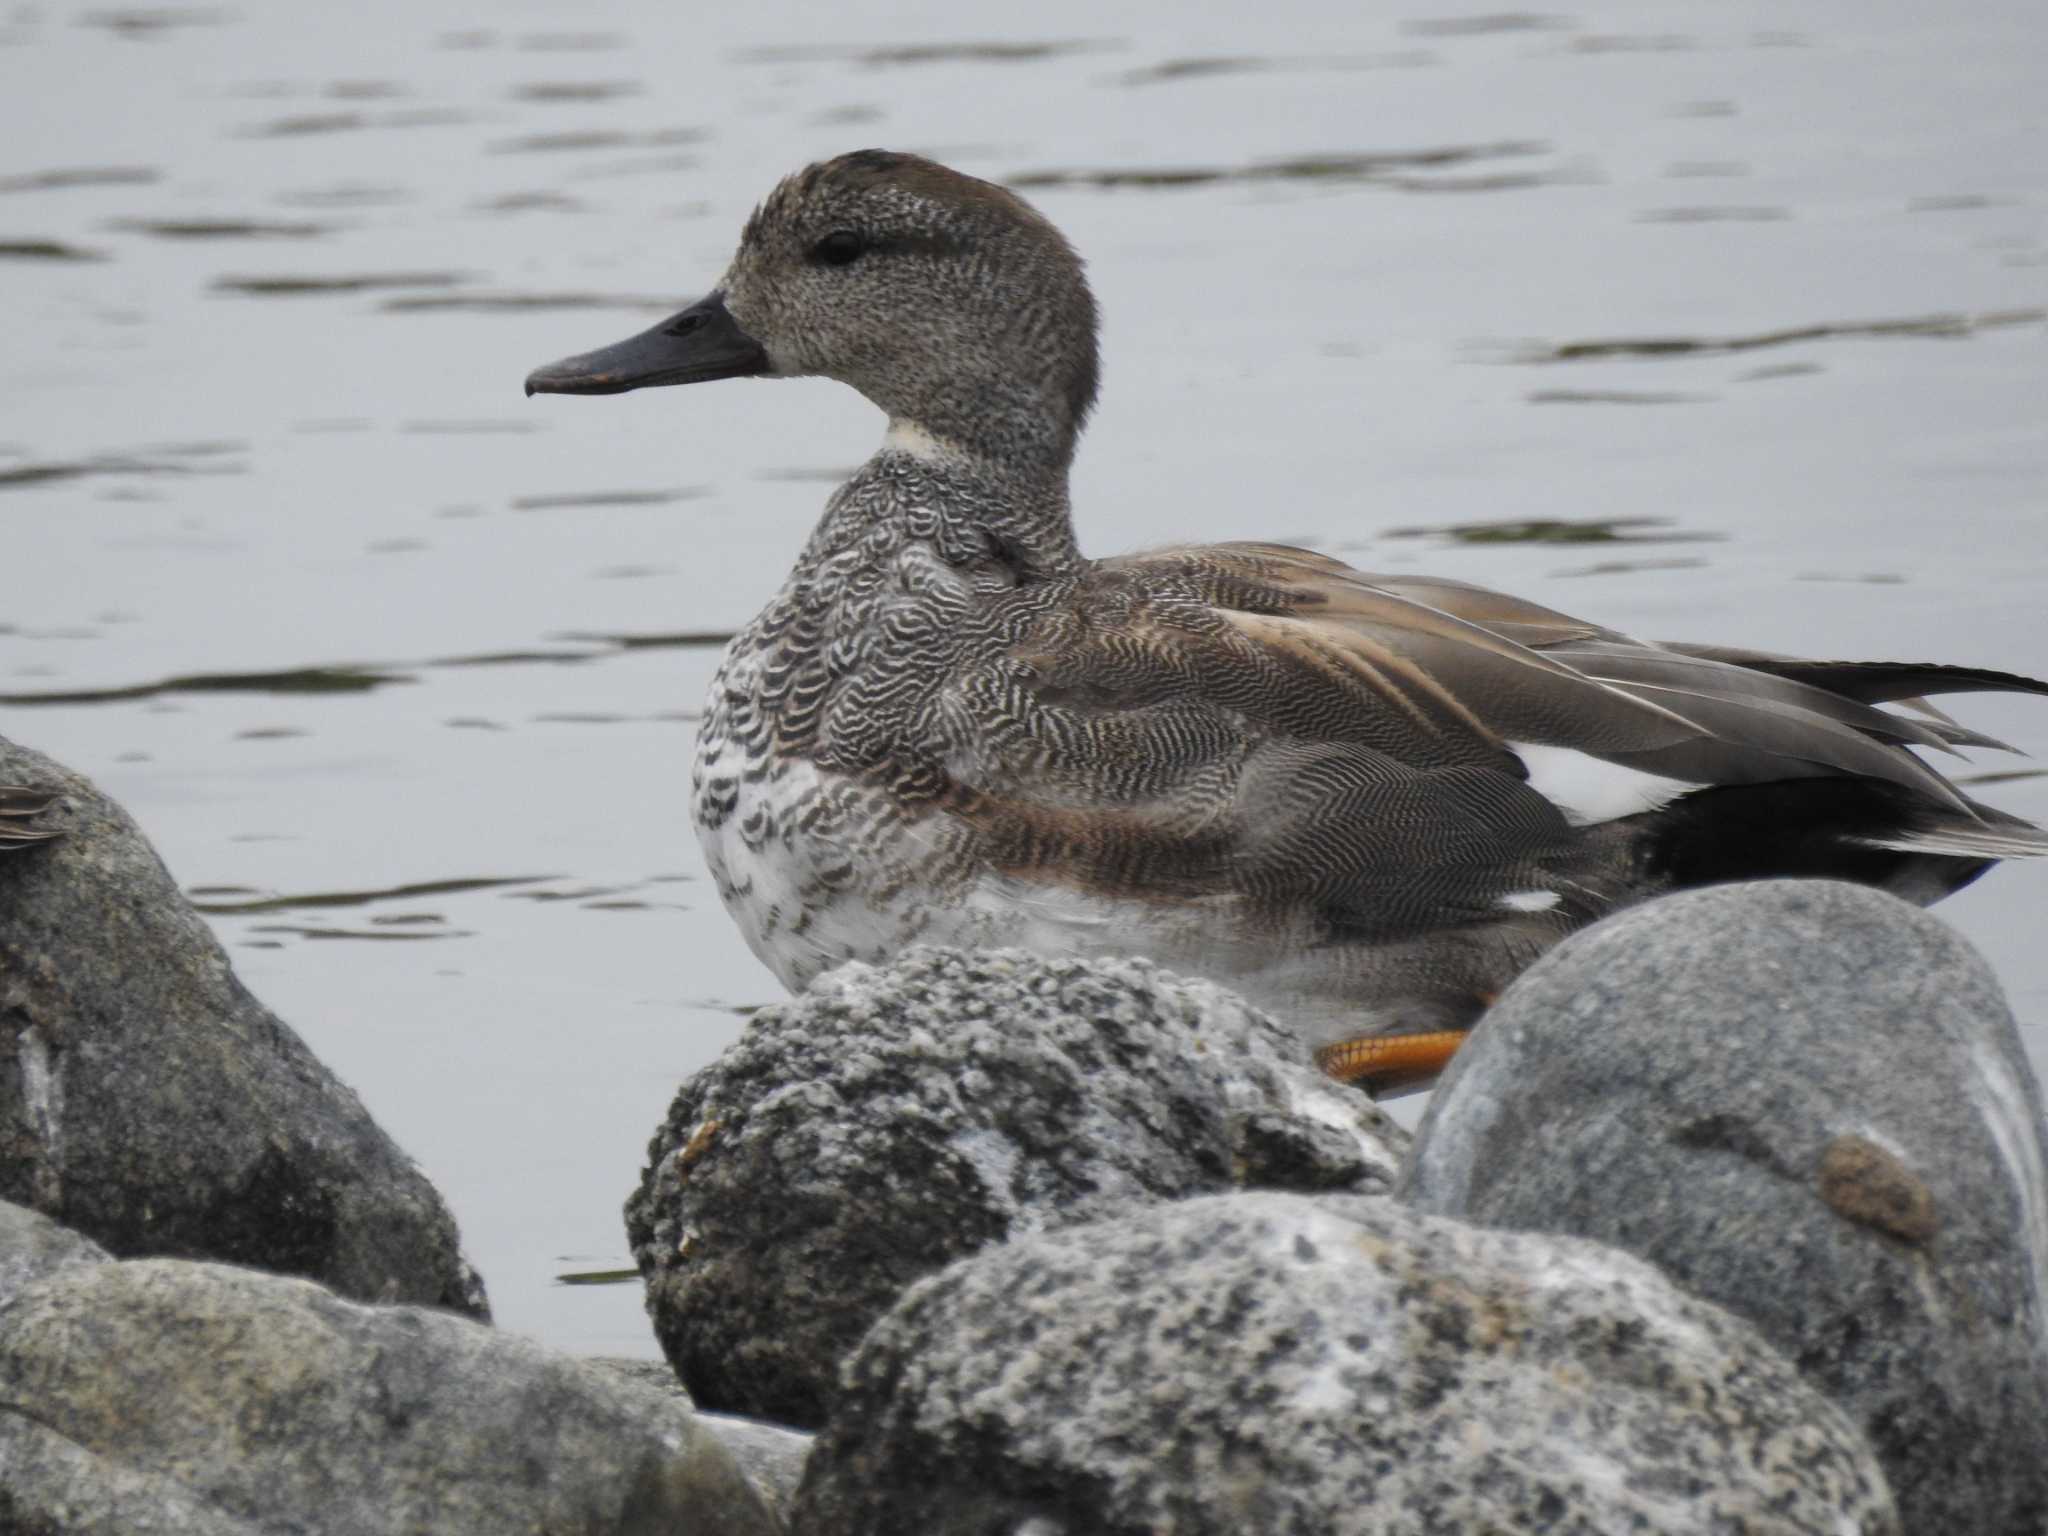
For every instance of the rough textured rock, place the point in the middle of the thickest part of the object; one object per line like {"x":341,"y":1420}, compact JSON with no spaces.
{"x":892,"y":1120}
{"x":159,"y":1394}
{"x":32,"y":1246}
{"x":1298,"y":1366}
{"x":149,"y":1102}
{"x":1805,"y":1101}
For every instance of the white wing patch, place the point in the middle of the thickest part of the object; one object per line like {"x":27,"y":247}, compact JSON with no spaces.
{"x":1590,"y":789}
{"x":1529,"y":901}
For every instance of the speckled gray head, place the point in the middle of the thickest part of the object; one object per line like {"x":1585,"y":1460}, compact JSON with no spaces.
{"x":948,"y":301}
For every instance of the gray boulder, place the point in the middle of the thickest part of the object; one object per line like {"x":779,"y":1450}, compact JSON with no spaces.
{"x":1807,"y":1102}
{"x":658,"y":1374}
{"x":149,"y":1102}
{"x":32,"y":1246}
{"x":770,"y":1455}
{"x":1298,"y":1366}
{"x":162,"y":1395}
{"x":892,"y":1120}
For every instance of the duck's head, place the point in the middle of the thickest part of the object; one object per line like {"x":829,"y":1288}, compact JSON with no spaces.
{"x":949,"y":302}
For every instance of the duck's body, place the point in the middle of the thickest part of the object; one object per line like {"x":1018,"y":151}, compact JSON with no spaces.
{"x":1237,"y":760}
{"x":1366,"y":802}
{"x":931,"y":736}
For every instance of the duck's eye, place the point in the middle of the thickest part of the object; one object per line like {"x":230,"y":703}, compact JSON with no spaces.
{"x":839,"y":249}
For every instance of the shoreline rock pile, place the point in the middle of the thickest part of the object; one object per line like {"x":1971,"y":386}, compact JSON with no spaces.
{"x":892,"y":1120}
{"x":229,"y":1303}
{"x":1732,"y":1216}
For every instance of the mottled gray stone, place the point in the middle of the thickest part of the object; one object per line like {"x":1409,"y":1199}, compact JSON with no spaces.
{"x":658,"y":1374}
{"x":51,"y":1486}
{"x":32,"y":1246}
{"x":1301,"y":1366}
{"x":893,"y":1119}
{"x":149,"y":1102}
{"x":1805,"y":1101}
{"x":163,"y":1395}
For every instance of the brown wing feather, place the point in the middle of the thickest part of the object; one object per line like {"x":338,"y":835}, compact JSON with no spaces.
{"x":1129,"y":741}
{"x":18,"y":805}
{"x":1510,"y":689}
{"x":1521,"y":672}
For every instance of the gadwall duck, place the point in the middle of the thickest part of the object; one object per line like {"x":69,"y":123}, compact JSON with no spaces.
{"x":1364,"y":801}
{"x":19,"y":806}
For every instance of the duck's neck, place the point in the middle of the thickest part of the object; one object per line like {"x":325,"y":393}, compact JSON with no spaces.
{"x":969,"y":508}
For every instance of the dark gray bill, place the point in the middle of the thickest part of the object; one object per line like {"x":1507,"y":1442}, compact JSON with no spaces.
{"x":703,"y":342}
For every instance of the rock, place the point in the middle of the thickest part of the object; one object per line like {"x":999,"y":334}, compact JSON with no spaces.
{"x":892,"y":1120}
{"x":159,"y":1394}
{"x":150,"y":1103}
{"x":658,"y":1374}
{"x":1807,"y":1102}
{"x":56,"y":1488}
{"x":1293,"y":1365}
{"x":32,"y":1246}
{"x":771,"y":1456}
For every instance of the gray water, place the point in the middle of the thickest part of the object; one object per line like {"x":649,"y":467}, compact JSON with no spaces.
{"x":399,"y":669}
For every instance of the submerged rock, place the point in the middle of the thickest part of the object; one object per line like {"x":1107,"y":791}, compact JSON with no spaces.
{"x":894,"y":1119}
{"x":1297,"y":1366}
{"x":149,"y":1102}
{"x":1805,"y":1101}
{"x":162,"y":1395}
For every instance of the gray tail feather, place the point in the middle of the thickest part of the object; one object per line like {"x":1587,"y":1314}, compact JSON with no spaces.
{"x":1905,"y":683}
{"x":1873,"y":682}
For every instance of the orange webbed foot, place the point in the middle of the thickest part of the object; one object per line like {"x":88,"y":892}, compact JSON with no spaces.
{"x":1385,"y":1065}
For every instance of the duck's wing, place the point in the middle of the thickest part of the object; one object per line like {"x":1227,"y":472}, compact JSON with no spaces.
{"x":1251,"y":717}
{"x":1522,"y":676}
{"x":18,"y":806}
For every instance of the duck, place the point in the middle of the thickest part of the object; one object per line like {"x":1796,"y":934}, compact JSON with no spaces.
{"x":20,"y":804}
{"x":1366,"y":802}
